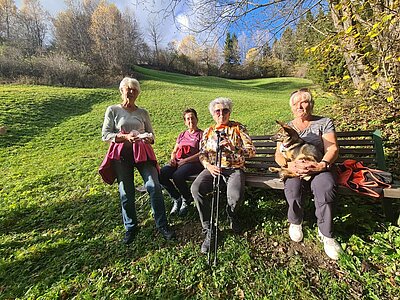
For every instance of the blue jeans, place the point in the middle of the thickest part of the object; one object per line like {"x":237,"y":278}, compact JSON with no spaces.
{"x":178,"y":187}
{"x":125,"y":178}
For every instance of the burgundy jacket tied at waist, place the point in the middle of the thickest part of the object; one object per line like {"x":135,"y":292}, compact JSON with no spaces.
{"x":142,"y":152}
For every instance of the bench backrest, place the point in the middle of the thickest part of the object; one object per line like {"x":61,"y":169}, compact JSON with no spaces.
{"x":363,"y":146}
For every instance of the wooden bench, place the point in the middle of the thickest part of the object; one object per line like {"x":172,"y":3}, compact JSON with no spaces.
{"x":365,"y":146}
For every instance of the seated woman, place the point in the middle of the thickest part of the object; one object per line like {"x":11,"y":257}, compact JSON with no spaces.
{"x":184,"y":162}
{"x":320,"y":132}
{"x":236,"y":145}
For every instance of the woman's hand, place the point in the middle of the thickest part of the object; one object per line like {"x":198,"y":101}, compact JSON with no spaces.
{"x":214,"y":170}
{"x":182,"y":162}
{"x":227,"y":144}
{"x":131,"y":137}
{"x":304,"y":167}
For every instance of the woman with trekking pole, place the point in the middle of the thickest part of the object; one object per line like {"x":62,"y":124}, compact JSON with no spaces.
{"x":223,"y":150}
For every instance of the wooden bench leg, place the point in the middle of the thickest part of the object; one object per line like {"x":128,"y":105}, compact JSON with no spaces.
{"x":388,"y":210}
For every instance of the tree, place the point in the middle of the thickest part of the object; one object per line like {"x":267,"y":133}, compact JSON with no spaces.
{"x":105,"y":28}
{"x":155,"y":37}
{"x":231,"y":50}
{"x":8,"y":12}
{"x":32,"y":29}
{"x":71,"y":31}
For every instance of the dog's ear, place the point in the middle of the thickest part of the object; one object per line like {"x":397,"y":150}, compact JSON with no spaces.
{"x":284,"y":125}
{"x":280,"y":123}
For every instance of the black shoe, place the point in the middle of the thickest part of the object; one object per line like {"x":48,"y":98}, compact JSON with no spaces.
{"x":184,"y":208}
{"x":167,"y":232}
{"x":234,"y":225}
{"x":130,"y":236}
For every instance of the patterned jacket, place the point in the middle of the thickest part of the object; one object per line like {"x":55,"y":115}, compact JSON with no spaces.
{"x":238,"y":136}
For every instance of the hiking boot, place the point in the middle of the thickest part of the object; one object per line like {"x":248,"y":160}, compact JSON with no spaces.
{"x":233,"y":220}
{"x":296,"y":232}
{"x":205,"y":246}
{"x":130,"y":235}
{"x":176,"y":206}
{"x":166,"y":232}
{"x":234,"y":225}
{"x":184,"y":207}
{"x":209,"y":240}
{"x":331,"y":246}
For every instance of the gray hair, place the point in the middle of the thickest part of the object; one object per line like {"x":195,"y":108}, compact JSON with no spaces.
{"x":302,"y":94}
{"x":226,"y":103}
{"x":129,"y":83}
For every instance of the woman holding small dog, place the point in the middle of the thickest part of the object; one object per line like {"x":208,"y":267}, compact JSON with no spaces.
{"x":128,"y":129}
{"x":320,"y":132}
{"x":235,"y":145}
{"x":184,"y":162}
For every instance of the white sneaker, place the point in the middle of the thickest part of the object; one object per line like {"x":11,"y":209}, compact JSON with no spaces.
{"x":331,"y":246}
{"x":296,"y":232}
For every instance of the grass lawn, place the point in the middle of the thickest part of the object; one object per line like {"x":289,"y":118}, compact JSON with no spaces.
{"x":61,"y":228}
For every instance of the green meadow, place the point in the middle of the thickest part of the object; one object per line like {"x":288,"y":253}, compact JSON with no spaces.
{"x":61,"y":227}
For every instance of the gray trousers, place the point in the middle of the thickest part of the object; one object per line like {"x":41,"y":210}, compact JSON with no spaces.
{"x":203,"y":185}
{"x":323,"y":187}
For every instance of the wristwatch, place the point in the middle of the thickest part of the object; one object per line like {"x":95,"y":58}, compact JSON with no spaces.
{"x":327,"y":164}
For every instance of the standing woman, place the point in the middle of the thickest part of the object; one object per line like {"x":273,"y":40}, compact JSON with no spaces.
{"x":128,"y":129}
{"x":320,"y":132}
{"x":184,"y":162}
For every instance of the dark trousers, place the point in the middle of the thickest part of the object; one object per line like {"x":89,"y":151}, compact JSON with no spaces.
{"x":173,"y":179}
{"x":203,"y":185}
{"x":323,"y":187}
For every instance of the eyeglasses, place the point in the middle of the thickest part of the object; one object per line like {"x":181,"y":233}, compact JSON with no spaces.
{"x":224,"y":111}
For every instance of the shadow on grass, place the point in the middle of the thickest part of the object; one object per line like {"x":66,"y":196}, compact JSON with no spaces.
{"x":27,"y":120}
{"x":45,"y":245}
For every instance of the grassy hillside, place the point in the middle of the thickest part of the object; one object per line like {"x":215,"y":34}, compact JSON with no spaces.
{"x":60,"y":225}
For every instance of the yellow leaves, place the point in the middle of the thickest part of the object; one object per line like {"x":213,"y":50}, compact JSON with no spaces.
{"x":387,"y":18}
{"x":346,"y":77}
{"x":372,"y":34}
{"x":348,"y":30}
{"x":375,"y":86}
{"x":338,"y":6}
{"x":390,"y":99}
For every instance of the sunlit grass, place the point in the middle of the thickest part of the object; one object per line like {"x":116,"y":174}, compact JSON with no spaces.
{"x":60,"y":225}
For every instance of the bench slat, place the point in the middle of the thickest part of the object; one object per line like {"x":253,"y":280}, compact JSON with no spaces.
{"x":354,"y":133}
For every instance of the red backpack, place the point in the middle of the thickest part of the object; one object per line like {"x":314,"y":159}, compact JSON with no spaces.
{"x":363,"y":180}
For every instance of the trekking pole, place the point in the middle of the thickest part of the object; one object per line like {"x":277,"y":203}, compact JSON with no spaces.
{"x":215,"y":203}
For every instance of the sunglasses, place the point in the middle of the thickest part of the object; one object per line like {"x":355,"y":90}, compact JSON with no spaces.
{"x":224,"y":111}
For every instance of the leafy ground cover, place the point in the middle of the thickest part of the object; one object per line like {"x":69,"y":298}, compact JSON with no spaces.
{"x":60,"y":227}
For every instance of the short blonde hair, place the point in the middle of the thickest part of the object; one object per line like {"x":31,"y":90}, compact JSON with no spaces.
{"x":302,"y":94}
{"x":226,"y":103}
{"x":129,"y":83}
